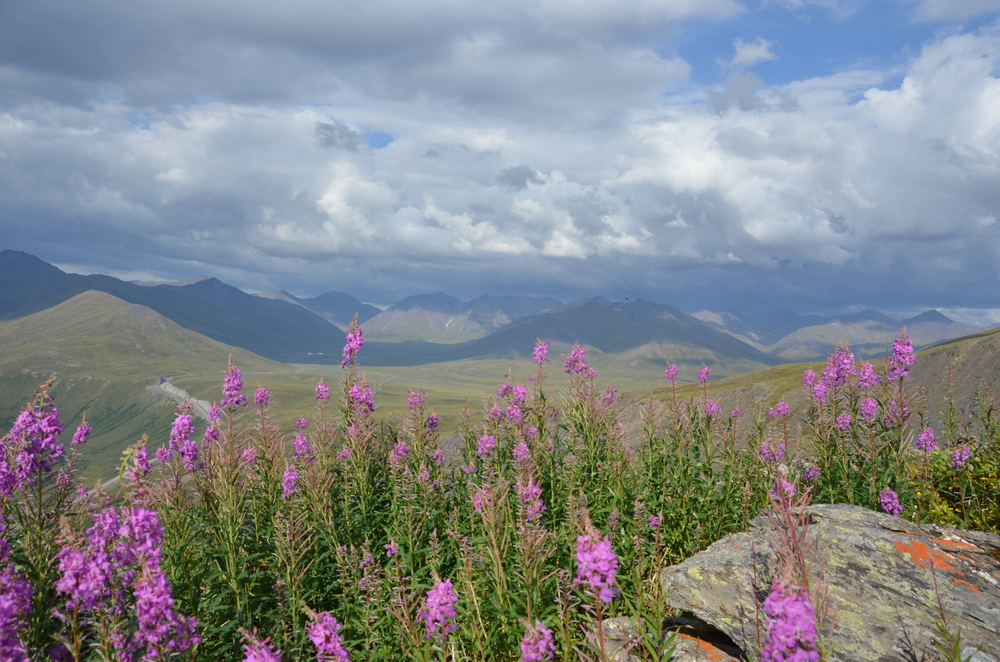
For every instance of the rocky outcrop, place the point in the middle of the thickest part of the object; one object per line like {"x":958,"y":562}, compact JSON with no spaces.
{"x":886,"y":578}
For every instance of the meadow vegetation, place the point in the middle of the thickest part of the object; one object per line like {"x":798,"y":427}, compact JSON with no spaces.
{"x":348,"y":537}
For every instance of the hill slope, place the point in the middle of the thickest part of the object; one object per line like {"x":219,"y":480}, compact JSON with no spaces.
{"x":105,"y":351}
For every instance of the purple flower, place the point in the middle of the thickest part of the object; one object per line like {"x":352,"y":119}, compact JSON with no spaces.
{"x":303,"y":449}
{"x":925,"y":440}
{"x":439,"y":610}
{"x":889,"y":501}
{"x":783,"y":489}
{"x":322,"y":392}
{"x":323,"y":633}
{"x":345,"y":453}
{"x":504,"y":390}
{"x":530,"y":431}
{"x":15,"y":605}
{"x":812,"y":473}
{"x":844,"y":421}
{"x":704,"y":372}
{"x":261,"y":398}
{"x":438,"y":456}
{"x":391,"y":548}
{"x":868,"y":409}
{"x":163,"y":454}
{"x":537,"y":644}
{"x":301,"y":423}
{"x":576,"y":362}
{"x":496,"y":414}
{"x":514,"y":413}
{"x":81,"y":434}
{"x":541,"y":353}
{"x":960,"y":456}
{"x":487,"y":442}
{"x":482,"y":499}
{"x":214,"y":412}
{"x":808,"y":379}
{"x":897,"y":415}
{"x":400,"y":450}
{"x":414,"y":400}
{"x":780,"y":409}
{"x":712,"y":409}
{"x":180,"y":433}
{"x":867,"y":377}
{"x":424,"y":475}
{"x":791,"y":626}
{"x":671,"y":372}
{"x":770,"y":454}
{"x":256,"y":650}
{"x":610,"y":394}
{"x":232,"y":389}
{"x":249,"y":456}
{"x":819,"y":391}
{"x":839,"y":365}
{"x":736,"y":413}
{"x":655,"y":521}
{"x":355,"y":342}
{"x":596,"y":567}
{"x":290,"y":482}
{"x":901,"y":358}
{"x":432,"y":422}
{"x":37,"y":431}
{"x":360,"y":399}
{"x":520,"y":394}
{"x":531,"y":500}
{"x":521,"y":452}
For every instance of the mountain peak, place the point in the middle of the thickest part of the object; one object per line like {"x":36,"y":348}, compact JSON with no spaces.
{"x":928,"y":316}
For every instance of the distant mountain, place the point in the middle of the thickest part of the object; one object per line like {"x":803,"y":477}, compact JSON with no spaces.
{"x":336,"y":307}
{"x":807,"y":337}
{"x":641,"y":330}
{"x":105,"y":351}
{"x":441,"y":318}
{"x":272,"y":328}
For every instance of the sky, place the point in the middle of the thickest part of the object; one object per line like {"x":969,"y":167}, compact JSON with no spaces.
{"x":820,"y":155}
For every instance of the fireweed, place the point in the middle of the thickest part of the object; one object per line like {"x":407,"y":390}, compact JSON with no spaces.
{"x":390,"y":536}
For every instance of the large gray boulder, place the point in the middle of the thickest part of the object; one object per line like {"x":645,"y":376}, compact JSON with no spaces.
{"x":881,"y":588}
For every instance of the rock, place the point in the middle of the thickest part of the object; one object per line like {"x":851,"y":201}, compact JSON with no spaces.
{"x":880,"y":585}
{"x":694,"y":641}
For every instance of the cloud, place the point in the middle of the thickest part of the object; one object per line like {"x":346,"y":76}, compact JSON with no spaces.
{"x":748,"y":54}
{"x":953,"y":10}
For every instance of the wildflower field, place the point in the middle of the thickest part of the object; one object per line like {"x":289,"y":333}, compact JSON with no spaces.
{"x":351,"y":538}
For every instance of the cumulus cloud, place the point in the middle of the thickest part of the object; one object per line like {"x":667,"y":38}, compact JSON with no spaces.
{"x":550,"y":147}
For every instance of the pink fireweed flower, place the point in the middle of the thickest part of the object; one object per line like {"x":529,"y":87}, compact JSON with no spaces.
{"x":514,"y":414}
{"x":482,"y":499}
{"x":211,"y":434}
{"x":38,"y":432}
{"x":257,"y":650}
{"x":487,"y":442}
{"x":303,"y":449}
{"x":575,"y":362}
{"x":520,"y":394}
{"x":521,"y":452}
{"x":819,"y":392}
{"x":655,"y":521}
{"x":541,"y":353}
{"x":496,"y":414}
{"x":783,"y":490}
{"x":261,"y":397}
{"x":780,"y":409}
{"x":925,"y":440}
{"x":791,"y":626}
{"x":839,"y":366}
{"x":704,"y":373}
{"x":360,"y":399}
{"x":505,"y":390}
{"x":15,"y":604}
{"x":391,"y":548}
{"x":355,"y":342}
{"x":322,"y":392}
{"x":537,"y":644}
{"x":889,"y":501}
{"x":843,"y":421}
{"x":438,"y":457}
{"x":867,"y":377}
{"x":530,"y":431}
{"x":671,"y":372}
{"x":432,"y":422}
{"x":736,"y":413}
{"x":323,"y":633}
{"x":81,"y":434}
{"x":531,"y":499}
{"x":400,"y":451}
{"x":249,"y":456}
{"x":897,"y":415}
{"x":868,"y":409}
{"x":290,"y":482}
{"x":232,"y":389}
{"x":960,"y":456}
{"x":439,"y":612}
{"x":301,"y":423}
{"x":772,"y":454}
{"x":610,"y":395}
{"x":414,"y":400}
{"x":812,"y":473}
{"x":214,"y":412}
{"x":596,"y":567}
{"x":712,"y":409}
{"x":808,"y":379}
{"x":424,"y":475}
{"x":901,"y":358}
